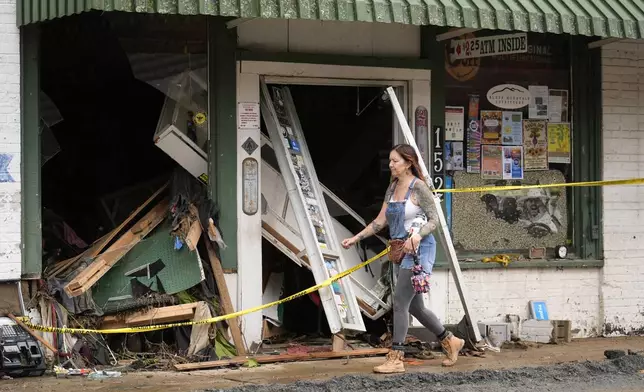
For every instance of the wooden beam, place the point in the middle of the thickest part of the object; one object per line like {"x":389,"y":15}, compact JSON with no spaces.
{"x":282,"y":358}
{"x":30,"y":332}
{"x":98,"y":246}
{"x":90,"y":275}
{"x":224,"y":296}
{"x":167,"y":314}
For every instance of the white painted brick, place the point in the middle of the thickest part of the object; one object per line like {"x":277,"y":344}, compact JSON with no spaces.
{"x":623,"y":209}
{"x":571,"y":294}
{"x":10,"y":227}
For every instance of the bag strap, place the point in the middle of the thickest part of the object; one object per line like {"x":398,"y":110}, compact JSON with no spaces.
{"x":415,"y":254}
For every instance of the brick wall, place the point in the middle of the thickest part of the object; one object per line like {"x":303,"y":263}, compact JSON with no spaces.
{"x":10,"y":256}
{"x":623,"y":138}
{"x":571,"y":294}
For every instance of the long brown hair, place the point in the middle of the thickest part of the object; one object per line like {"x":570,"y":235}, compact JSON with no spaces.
{"x":408,"y":153}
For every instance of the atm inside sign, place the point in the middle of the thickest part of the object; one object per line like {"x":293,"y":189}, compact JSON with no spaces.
{"x":489,"y":46}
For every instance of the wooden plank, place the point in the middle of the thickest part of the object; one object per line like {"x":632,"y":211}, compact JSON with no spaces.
{"x":133,"y":215}
{"x":166,"y":314}
{"x":339,"y":343}
{"x":224,"y":296}
{"x":101,"y":243}
{"x":282,"y":358}
{"x":65,"y":264}
{"x":30,"y":332}
{"x":194,"y":233}
{"x":90,"y":275}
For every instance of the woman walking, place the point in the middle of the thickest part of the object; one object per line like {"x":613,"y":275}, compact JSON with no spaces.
{"x":409,"y":211}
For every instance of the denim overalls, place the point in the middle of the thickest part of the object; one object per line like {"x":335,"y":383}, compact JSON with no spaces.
{"x":395,"y":214}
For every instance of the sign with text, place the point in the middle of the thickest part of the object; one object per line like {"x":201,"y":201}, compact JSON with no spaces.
{"x":495,"y":45}
{"x":438,"y":160}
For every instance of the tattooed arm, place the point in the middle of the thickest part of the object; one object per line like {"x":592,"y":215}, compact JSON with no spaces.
{"x":422,"y":197}
{"x":376,"y":225}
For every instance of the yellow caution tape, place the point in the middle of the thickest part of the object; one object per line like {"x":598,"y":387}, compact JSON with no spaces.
{"x":149,"y":328}
{"x":328,"y":282}
{"x":632,"y":181}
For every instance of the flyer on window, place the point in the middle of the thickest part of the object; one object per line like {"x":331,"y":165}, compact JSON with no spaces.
{"x":538,"y":108}
{"x":454,"y":123}
{"x":491,"y":126}
{"x":512,"y":162}
{"x":512,"y":128}
{"x":558,"y":142}
{"x":491,"y":162}
{"x":454,"y":159}
{"x":558,"y":106}
{"x":535,"y":145}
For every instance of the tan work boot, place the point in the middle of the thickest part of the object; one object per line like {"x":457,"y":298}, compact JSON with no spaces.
{"x":393,"y":363}
{"x":452,"y":346}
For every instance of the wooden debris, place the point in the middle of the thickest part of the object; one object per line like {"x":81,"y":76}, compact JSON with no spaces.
{"x":32,"y":333}
{"x":166,"y":314}
{"x":193,"y":235}
{"x":224,"y":296}
{"x":282,"y":358}
{"x":98,"y":246}
{"x":90,"y":275}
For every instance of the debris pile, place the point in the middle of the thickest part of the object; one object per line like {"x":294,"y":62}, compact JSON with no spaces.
{"x":160,"y":264}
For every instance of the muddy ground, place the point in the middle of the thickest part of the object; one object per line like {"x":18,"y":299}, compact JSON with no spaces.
{"x":621,"y":374}
{"x":565,"y":370}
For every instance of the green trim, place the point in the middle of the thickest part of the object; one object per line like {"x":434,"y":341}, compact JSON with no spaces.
{"x":576,"y":263}
{"x":610,"y":18}
{"x":587,"y":147}
{"x":30,"y":152}
{"x":333,"y":59}
{"x":222,"y":147}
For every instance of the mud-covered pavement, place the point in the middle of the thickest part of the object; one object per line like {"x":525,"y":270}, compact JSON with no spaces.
{"x":566,"y":371}
{"x":623,"y":374}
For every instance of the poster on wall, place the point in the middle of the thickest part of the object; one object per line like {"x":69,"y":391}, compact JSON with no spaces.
{"x":535,"y":145}
{"x":454,"y":123}
{"x":558,"y":106}
{"x":538,"y":108}
{"x":512,"y":128}
{"x":558,"y":142}
{"x":454,"y":159}
{"x":473,"y":136}
{"x":512,"y":162}
{"x":491,"y":162}
{"x":491,"y":126}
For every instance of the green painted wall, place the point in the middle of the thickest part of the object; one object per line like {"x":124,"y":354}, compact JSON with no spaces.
{"x":222,"y":147}
{"x":30,"y":152}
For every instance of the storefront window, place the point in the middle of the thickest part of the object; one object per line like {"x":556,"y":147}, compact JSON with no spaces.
{"x":508,"y":122}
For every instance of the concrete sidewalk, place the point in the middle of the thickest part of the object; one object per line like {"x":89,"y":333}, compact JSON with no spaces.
{"x":538,"y":355}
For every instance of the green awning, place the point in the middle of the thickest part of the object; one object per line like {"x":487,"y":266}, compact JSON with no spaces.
{"x":602,"y":18}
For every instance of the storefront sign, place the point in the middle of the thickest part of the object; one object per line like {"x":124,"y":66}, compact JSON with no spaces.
{"x":489,"y":46}
{"x":438,"y":160}
{"x":248,"y":115}
{"x":508,"y":96}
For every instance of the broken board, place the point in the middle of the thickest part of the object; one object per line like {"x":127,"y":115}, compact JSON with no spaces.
{"x":305,"y":194}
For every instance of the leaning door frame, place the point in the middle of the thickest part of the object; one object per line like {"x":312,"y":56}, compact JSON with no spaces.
{"x":416,"y":85}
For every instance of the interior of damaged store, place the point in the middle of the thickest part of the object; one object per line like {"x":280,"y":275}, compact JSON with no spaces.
{"x":132,"y":237}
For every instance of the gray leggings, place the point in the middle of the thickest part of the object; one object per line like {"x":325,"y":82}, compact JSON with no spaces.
{"x":406,"y":301}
